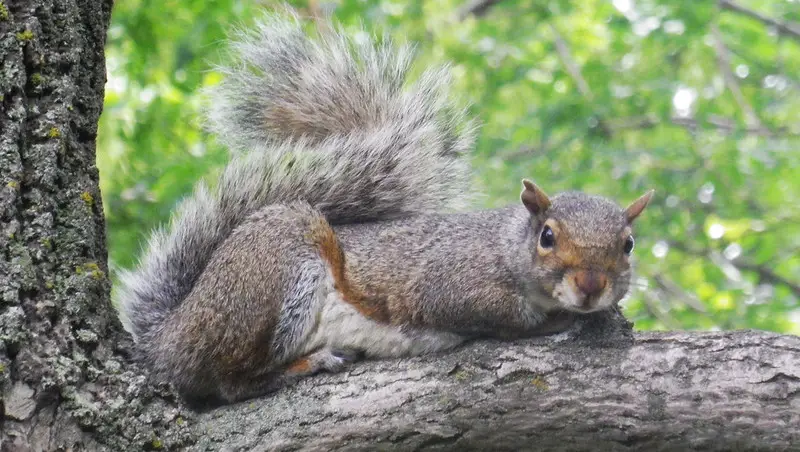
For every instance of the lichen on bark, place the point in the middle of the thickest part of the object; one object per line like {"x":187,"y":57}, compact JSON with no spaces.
{"x":64,"y":377}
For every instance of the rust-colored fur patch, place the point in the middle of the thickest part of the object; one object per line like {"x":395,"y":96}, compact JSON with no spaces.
{"x":323,"y":236}
{"x":299,"y":366}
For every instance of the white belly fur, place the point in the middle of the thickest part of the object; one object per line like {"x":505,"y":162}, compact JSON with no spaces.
{"x":340,"y":326}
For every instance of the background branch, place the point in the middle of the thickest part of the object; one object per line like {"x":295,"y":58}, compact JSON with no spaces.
{"x":574,"y":71}
{"x":720,"y":123}
{"x":764,"y":273}
{"x":476,"y":8}
{"x":787,"y":28}
{"x":569,"y":63}
{"x":724,"y":63}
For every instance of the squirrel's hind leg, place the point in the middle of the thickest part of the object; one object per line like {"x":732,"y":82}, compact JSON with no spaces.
{"x":324,"y":360}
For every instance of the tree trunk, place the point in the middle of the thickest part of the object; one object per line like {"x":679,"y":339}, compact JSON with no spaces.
{"x":68,"y":383}
{"x":56,"y":325}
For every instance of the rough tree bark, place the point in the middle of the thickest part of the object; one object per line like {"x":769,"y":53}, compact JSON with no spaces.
{"x":61,"y":369}
{"x":596,"y":388}
{"x":68,"y":383}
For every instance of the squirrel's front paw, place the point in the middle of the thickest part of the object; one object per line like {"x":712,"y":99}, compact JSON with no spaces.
{"x":333,"y":360}
{"x":556,"y":322}
{"x":347,"y":355}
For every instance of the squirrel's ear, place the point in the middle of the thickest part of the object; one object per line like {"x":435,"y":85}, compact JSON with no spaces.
{"x":638,"y":206}
{"x":534,"y":198}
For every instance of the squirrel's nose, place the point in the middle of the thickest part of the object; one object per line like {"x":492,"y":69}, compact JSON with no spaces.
{"x":590,"y":282}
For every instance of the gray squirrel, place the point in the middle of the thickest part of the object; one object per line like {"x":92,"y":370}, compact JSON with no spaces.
{"x":334,"y":233}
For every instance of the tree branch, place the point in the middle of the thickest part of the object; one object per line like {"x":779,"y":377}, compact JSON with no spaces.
{"x":574,"y":71}
{"x":546,"y":148}
{"x":767,"y":275}
{"x":476,"y":8}
{"x":569,"y":63}
{"x":741,"y":264}
{"x":670,"y":287}
{"x":661,"y":391}
{"x":724,"y":62}
{"x":727,"y":125}
{"x":787,"y":28}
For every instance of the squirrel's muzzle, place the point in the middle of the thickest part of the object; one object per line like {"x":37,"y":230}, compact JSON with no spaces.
{"x":591,"y":283}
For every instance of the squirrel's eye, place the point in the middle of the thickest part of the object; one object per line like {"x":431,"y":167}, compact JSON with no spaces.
{"x":628,"y":245}
{"x":547,"y":239}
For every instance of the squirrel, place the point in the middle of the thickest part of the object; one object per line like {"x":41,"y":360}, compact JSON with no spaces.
{"x":337,"y":230}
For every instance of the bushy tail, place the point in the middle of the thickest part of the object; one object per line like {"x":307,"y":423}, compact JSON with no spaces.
{"x":331,"y":120}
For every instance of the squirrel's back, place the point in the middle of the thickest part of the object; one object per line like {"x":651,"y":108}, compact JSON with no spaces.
{"x":328,"y":120}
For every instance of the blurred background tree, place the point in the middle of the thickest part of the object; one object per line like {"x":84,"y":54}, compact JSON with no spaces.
{"x":698,"y":100}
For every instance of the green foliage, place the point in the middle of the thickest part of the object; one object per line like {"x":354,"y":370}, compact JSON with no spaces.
{"x":613,"y":98}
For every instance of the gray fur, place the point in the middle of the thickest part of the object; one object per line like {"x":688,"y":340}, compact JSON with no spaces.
{"x":480,"y":273}
{"x":467,"y":273}
{"x":296,"y":318}
{"x":328,"y":234}
{"x":221,"y":340}
{"x":600,"y":219}
{"x":363,"y":144}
